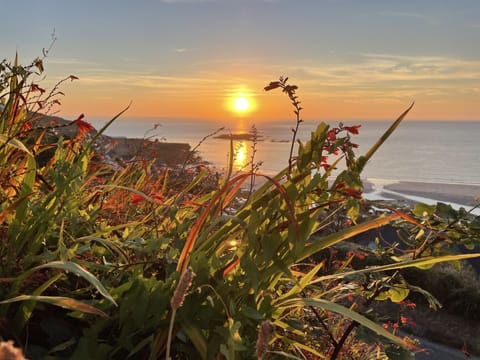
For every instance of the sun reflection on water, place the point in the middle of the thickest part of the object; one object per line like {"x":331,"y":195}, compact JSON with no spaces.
{"x":240,"y":158}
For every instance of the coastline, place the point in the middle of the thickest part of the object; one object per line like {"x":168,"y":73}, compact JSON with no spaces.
{"x":171,"y":154}
{"x":410,"y":192}
{"x":457,"y":195}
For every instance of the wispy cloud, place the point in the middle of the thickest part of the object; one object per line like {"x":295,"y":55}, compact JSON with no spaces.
{"x":403,"y":14}
{"x":69,"y":61}
{"x":386,"y":77}
{"x":381,"y":77}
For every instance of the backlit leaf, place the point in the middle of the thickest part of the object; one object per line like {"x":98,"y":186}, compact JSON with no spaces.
{"x":78,"y":270}
{"x":64,"y":302}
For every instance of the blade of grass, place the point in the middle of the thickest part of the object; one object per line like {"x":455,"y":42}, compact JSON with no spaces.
{"x":339,"y":309}
{"x":78,"y":270}
{"x":61,"y":301}
{"x":362,"y":160}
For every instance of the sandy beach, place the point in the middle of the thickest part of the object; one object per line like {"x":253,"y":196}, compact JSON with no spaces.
{"x":460,"y":194}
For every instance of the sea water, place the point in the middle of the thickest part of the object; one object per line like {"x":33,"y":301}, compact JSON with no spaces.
{"x":425,"y":151}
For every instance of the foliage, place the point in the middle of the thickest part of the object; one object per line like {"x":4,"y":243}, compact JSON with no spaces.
{"x":103,"y":261}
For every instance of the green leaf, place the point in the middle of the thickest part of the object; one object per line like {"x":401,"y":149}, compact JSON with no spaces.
{"x":362,"y":160}
{"x":64,"y":302}
{"x":197,"y":338}
{"x":26,"y":309}
{"x":362,"y":320}
{"x":79,"y":271}
{"x":418,"y":263}
{"x":303,"y":282}
{"x":421,"y":209}
{"x":395,"y":293}
{"x":15,"y":143}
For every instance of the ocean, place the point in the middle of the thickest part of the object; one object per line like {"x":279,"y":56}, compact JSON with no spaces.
{"x":425,"y":151}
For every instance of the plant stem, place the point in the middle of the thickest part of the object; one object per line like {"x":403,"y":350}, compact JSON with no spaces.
{"x":170,"y":332}
{"x":354,"y":324}
{"x":294,"y":138}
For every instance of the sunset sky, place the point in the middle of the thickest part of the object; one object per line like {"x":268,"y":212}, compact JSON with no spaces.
{"x":352,"y":59}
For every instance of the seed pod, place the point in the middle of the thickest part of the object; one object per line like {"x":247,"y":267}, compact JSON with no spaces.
{"x":264,"y":335}
{"x":182,"y":288}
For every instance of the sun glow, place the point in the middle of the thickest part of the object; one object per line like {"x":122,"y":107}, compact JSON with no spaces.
{"x":241,"y":103}
{"x":240,"y":155}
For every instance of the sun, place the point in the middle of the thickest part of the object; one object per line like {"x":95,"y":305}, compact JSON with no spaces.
{"x":241,"y":104}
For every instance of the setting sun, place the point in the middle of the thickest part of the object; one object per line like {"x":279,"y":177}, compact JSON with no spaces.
{"x":241,"y":104}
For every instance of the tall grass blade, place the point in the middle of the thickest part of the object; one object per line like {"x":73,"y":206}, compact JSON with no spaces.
{"x":78,"y":270}
{"x":61,"y":301}
{"x":362,"y":160}
{"x":15,"y":143}
{"x":319,"y":244}
{"x":339,"y":309}
{"x":421,"y":263}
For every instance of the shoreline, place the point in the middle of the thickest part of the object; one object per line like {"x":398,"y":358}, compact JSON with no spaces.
{"x":458,"y":195}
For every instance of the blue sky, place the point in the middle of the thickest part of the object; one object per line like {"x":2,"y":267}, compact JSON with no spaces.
{"x":351,"y":58}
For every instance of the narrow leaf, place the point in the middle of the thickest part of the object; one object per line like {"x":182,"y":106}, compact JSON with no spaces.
{"x":64,"y":302}
{"x":339,"y":309}
{"x":419,"y":263}
{"x":362,"y":160}
{"x":78,"y":270}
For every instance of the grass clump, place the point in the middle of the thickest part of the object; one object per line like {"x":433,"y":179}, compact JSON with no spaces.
{"x":95,"y":255}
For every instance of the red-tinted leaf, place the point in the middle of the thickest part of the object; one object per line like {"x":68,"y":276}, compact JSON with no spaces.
{"x":73,"y":77}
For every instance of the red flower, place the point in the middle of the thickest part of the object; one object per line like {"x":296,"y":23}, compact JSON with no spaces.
{"x":136,"y":199}
{"x":332,"y":134}
{"x":352,"y":129}
{"x":26,"y":126}
{"x":83,"y":126}
{"x":408,"y":304}
{"x":158,"y":196}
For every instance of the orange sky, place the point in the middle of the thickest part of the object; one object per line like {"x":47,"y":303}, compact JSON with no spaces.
{"x":186,"y":58}
{"x":215,"y":103}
